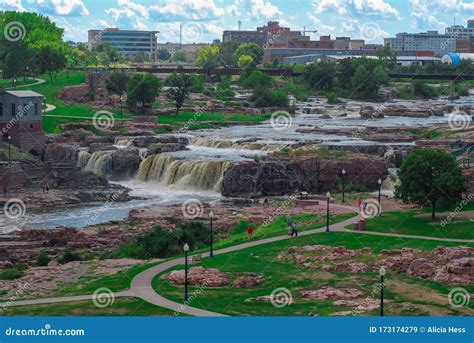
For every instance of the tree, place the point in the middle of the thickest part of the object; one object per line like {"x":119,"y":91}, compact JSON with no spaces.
{"x":368,"y":77}
{"x":430,"y":177}
{"x":226,"y":53}
{"x":244,"y":61}
{"x":108,"y":53}
{"x":179,"y":56}
{"x":208,"y":57}
{"x":321,"y":75}
{"x":117,"y":83}
{"x":163,"y":54}
{"x":50,"y":60}
{"x":257,"y":78}
{"x":252,"y":49}
{"x":180,"y":86}
{"x":388,"y":56}
{"x":142,"y":88}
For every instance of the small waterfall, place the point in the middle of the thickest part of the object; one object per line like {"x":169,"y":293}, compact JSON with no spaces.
{"x":392,"y":180}
{"x":229,"y":144}
{"x":124,"y":141}
{"x":83,"y":158}
{"x":212,"y":143}
{"x":184,"y":173}
{"x":99,"y":163}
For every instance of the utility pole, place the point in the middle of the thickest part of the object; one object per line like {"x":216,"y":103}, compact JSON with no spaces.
{"x":239,"y":24}
{"x":180,"y":35}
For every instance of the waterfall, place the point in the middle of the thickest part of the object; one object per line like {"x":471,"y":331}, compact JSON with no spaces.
{"x":185,"y":173}
{"x":124,"y":141}
{"x":392,"y":180}
{"x":99,"y":163}
{"x":229,"y":144}
{"x":83,"y":158}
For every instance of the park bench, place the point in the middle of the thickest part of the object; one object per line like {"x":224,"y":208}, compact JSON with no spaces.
{"x":196,"y":259}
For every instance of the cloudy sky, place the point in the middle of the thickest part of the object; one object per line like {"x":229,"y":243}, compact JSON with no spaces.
{"x":204,"y":20}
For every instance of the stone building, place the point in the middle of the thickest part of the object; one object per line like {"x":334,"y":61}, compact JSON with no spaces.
{"x":20,"y":119}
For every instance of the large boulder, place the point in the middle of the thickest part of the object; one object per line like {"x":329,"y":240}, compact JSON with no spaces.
{"x":330,"y":293}
{"x":199,"y":276}
{"x":459,"y":271}
{"x":249,"y":280}
{"x":61,"y":153}
{"x":75,"y":94}
{"x":124,"y":164}
{"x":421,"y":267}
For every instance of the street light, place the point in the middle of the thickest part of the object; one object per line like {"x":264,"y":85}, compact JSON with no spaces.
{"x":121,"y":107}
{"x":343,"y":173}
{"x":211,"y":216}
{"x":9,"y":149}
{"x":380,"y":188}
{"x":14,"y":82}
{"x":382,"y":274}
{"x":186,"y":249}
{"x":328,"y":196}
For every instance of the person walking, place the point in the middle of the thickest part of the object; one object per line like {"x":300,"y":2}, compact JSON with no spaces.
{"x":5,"y":188}
{"x":249,"y":232}
{"x":289,"y":224}
{"x":294,"y":231}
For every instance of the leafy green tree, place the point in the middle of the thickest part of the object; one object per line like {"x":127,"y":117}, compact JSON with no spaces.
{"x":142,"y":88}
{"x":50,"y":60}
{"x":368,"y":77}
{"x":430,"y":177}
{"x":17,"y":59}
{"x":179,"y":56}
{"x":252,"y":49}
{"x":208,"y":57}
{"x":320,"y":76}
{"x":226,"y":53}
{"x":388,"y":56}
{"x":244,"y":61}
{"x":257,"y":79}
{"x":117,"y":83}
{"x":180,"y":87}
{"x":163,"y":54}
{"x":108,"y":53}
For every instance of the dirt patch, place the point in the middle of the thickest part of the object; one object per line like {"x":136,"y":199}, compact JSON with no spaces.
{"x":413,"y":292}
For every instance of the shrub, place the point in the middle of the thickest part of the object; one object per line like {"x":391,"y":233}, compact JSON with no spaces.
{"x":69,"y":256}
{"x":10,"y":274}
{"x":332,"y":98}
{"x":42,"y":259}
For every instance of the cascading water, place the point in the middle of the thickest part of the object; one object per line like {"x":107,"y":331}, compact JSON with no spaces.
{"x":229,"y":144}
{"x":184,"y":173}
{"x":83,"y":158}
{"x":99,"y":163}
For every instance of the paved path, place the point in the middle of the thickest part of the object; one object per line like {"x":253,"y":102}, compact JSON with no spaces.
{"x":141,"y":285}
{"x":38,"y":82}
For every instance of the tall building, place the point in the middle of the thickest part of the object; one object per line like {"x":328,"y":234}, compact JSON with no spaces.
{"x":461,"y":32}
{"x":424,"y":41}
{"x":284,"y":37}
{"x":128,"y":42}
{"x":244,"y":37}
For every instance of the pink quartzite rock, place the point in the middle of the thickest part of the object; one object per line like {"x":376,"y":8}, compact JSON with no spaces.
{"x":199,"y":276}
{"x":249,"y":280}
{"x":351,"y":267}
{"x":330,"y":293}
{"x":421,"y":267}
{"x":361,"y":305}
{"x":451,"y":253}
{"x":459,"y":271}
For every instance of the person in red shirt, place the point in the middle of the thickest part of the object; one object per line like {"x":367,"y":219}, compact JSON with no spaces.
{"x":428,"y":135}
{"x":249,"y":232}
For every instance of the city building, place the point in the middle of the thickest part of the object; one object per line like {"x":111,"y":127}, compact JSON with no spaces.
{"x":346,"y":43}
{"x":424,"y":41}
{"x":454,"y":58}
{"x":461,"y":32}
{"x":244,"y":37}
{"x":21,"y":118}
{"x":283,"y":37}
{"x":128,"y":42}
{"x":282,"y":54}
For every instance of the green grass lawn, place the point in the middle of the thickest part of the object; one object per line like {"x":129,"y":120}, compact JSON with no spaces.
{"x":7,"y":83}
{"x":122,"y":306}
{"x":402,"y":292}
{"x":419,"y":222}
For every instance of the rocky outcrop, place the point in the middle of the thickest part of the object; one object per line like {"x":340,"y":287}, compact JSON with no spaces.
{"x":199,"y":276}
{"x":422,"y":268}
{"x":61,"y":153}
{"x":249,"y":280}
{"x":255,"y":179}
{"x":75,"y":94}
{"x":330,"y":293}
{"x":370,"y":112}
{"x":124,"y":164}
{"x":459,"y":271}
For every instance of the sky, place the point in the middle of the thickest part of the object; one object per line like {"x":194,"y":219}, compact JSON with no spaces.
{"x":204,"y":20}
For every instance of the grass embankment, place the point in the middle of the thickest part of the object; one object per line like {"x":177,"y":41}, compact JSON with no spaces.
{"x":126,"y":306}
{"x":197,"y":120}
{"x":8,"y":83}
{"x":402,"y":291}
{"x":419,"y":222}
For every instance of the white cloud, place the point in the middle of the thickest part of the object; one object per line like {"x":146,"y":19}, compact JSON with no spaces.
{"x":373,"y":8}
{"x":423,"y":18}
{"x":61,"y":7}
{"x":261,"y":9}
{"x":12,"y":5}
{"x":186,"y":10}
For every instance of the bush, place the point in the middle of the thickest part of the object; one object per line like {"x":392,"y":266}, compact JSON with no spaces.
{"x":10,"y":274}
{"x":265,"y":97}
{"x":332,"y":98}
{"x":69,"y":256}
{"x":42,"y":259}
{"x":425,"y":90}
{"x":241,"y":227}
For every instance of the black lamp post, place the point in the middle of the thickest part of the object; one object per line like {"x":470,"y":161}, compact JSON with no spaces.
{"x":328,"y":196}
{"x":9,"y":149}
{"x":211,"y":216}
{"x":343,"y":174}
{"x":121,"y":107}
{"x":186,"y":249}
{"x":14,"y":82}
{"x":380,"y":188}
{"x":382,"y":274}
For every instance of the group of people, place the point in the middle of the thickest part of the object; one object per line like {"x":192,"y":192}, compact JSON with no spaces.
{"x":292,"y":230}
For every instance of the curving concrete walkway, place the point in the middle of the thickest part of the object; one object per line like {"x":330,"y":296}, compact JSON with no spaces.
{"x":141,"y":286}
{"x":38,"y":82}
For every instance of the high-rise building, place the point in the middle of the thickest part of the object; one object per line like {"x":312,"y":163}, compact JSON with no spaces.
{"x":244,"y":37}
{"x":424,"y":41}
{"x":461,"y":32}
{"x":128,"y":42}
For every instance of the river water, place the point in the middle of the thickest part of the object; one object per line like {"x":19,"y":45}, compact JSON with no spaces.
{"x":173,"y":178}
